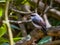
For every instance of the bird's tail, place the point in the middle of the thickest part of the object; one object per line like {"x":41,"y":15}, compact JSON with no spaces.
{"x":44,"y":31}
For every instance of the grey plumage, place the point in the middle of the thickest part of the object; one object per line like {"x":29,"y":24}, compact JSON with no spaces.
{"x":38,"y":22}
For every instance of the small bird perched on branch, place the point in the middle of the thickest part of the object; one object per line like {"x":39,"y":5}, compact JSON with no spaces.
{"x":38,"y":22}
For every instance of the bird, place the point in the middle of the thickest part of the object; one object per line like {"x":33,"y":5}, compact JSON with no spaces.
{"x":38,"y":22}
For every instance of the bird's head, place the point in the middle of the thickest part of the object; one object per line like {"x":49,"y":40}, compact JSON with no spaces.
{"x":34,"y":15}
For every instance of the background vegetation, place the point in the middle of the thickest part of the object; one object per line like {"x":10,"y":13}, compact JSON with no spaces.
{"x":15,"y":21}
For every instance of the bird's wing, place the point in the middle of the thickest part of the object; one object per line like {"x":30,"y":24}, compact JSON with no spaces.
{"x":40,"y":23}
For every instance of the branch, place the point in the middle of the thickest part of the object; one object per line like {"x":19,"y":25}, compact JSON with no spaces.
{"x":48,"y":25}
{"x":46,"y":8}
{"x":51,"y":3}
{"x":37,"y":34}
{"x":56,"y":42}
{"x":57,"y":1}
{"x":56,"y":13}
{"x":7,"y":23}
{"x":21,"y":12}
{"x":36,"y":9}
{"x":12,"y":21}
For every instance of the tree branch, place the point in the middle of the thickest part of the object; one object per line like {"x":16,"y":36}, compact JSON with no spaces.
{"x":56,"y":42}
{"x":12,"y":21}
{"x":48,"y":25}
{"x":56,"y":13}
{"x":37,"y":34}
{"x":21,"y":12}
{"x":57,"y":1}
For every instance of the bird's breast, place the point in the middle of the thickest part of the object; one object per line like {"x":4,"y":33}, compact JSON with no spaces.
{"x":37,"y":26}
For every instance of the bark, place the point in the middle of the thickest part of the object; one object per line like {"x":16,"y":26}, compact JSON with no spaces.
{"x":58,"y":1}
{"x":48,"y":25}
{"x":56,"y":42}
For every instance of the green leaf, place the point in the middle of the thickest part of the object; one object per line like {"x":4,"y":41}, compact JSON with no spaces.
{"x":15,"y":17}
{"x":17,"y":38}
{"x":1,"y":11}
{"x":18,"y":2}
{"x":45,"y":40}
{"x":3,"y":30}
{"x":3,"y":40}
{"x":14,"y":27}
{"x":5,"y":44}
{"x":32,"y":4}
{"x":25,"y":2}
{"x":2,"y":0}
{"x":54,"y":21}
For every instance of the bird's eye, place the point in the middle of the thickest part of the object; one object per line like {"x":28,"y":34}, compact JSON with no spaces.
{"x":32,"y":15}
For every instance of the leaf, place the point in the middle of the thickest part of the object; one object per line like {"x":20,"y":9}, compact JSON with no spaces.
{"x":44,"y":40}
{"x":17,"y":38}
{"x":18,"y":2}
{"x":3,"y":40}
{"x":14,"y":27}
{"x":1,"y":11}
{"x":25,"y":2}
{"x":2,"y":0}
{"x":5,"y":44}
{"x":54,"y":21}
{"x":3,"y":30}
{"x":32,"y":4}
{"x":15,"y":17}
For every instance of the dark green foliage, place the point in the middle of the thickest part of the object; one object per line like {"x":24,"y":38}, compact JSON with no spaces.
{"x":54,"y":21}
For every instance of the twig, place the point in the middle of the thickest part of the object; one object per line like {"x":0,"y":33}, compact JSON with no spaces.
{"x":45,"y":5}
{"x":21,"y":12}
{"x":7,"y":23}
{"x":12,"y":21}
{"x":51,"y":3}
{"x":48,"y":25}
{"x":58,"y":1}
{"x":48,"y":7}
{"x":55,"y":11}
{"x":42,"y":5}
{"x":56,"y":42}
{"x":36,"y":9}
